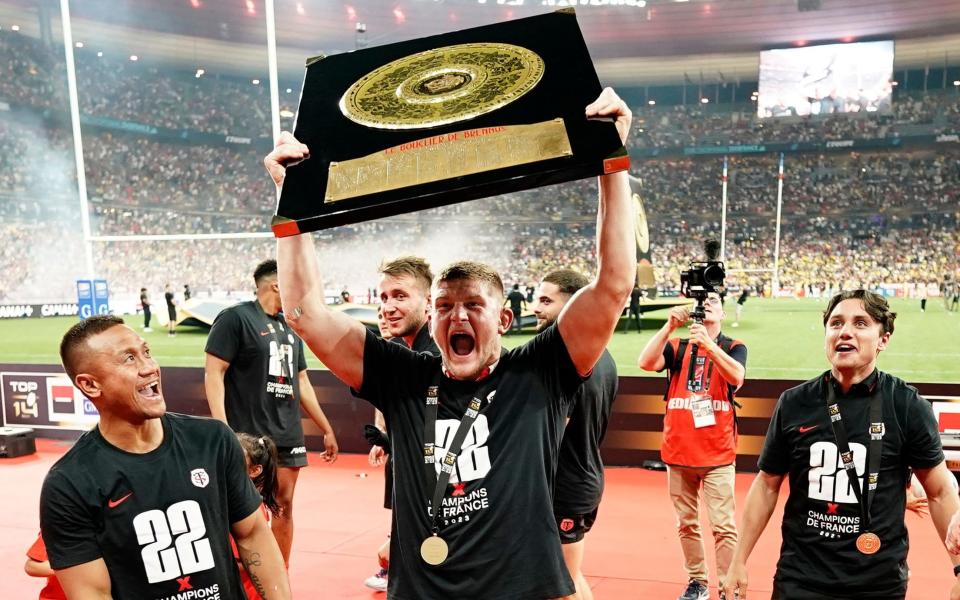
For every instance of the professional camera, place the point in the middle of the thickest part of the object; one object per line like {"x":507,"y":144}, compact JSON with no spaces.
{"x":702,"y":278}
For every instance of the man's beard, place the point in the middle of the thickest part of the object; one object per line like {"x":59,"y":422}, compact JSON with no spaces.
{"x":541,"y":325}
{"x":411,"y":328}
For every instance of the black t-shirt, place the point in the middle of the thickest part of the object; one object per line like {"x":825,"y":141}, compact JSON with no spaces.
{"x":516,"y":302}
{"x":496,"y":515}
{"x":168,"y":297}
{"x":821,"y":520}
{"x":422,"y":343}
{"x":262,"y":384}
{"x":160,"y":520}
{"x":579,"y":483}
{"x":144,"y":301}
{"x":744,"y":294}
{"x":635,"y":298}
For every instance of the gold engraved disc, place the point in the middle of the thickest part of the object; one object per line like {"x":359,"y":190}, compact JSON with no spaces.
{"x":434,"y":550}
{"x":442,"y":86}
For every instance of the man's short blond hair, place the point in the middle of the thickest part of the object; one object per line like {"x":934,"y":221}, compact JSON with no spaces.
{"x":475,"y":271}
{"x":414,"y":266}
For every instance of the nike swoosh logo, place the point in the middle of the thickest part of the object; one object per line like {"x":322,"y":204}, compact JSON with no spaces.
{"x":806,"y":429}
{"x":118,"y":501}
{"x":264,"y":333}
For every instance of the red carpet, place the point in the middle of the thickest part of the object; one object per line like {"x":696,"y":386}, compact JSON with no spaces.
{"x":632,"y":552}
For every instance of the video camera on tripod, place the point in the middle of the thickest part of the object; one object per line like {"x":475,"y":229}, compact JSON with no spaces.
{"x":703,"y":278}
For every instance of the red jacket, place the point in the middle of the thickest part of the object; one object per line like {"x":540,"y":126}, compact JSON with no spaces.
{"x":683,"y":444}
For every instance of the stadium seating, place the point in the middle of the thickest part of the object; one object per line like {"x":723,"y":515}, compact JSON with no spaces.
{"x":849,"y":218}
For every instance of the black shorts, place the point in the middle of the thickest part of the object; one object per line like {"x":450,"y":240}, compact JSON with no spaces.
{"x":573,"y":527}
{"x":794,"y":590}
{"x":172,"y":313}
{"x":292,"y":456}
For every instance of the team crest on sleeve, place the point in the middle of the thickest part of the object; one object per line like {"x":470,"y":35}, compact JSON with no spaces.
{"x":199,"y":478}
{"x":566,"y":525}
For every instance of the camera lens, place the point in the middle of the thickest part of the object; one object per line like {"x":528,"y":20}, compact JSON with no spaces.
{"x":713,"y":275}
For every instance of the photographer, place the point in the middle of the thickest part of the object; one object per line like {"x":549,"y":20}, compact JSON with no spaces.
{"x":699,"y":432}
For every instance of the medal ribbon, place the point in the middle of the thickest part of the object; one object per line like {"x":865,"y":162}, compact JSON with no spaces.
{"x":875,"y":449}
{"x":449,"y":461}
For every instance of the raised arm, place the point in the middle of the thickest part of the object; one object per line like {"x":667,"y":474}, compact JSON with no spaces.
{"x":590,"y":317}
{"x":651,"y":358}
{"x":335,"y":338}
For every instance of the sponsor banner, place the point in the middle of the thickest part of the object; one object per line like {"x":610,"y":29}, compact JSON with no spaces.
{"x":45,"y":401}
{"x":26,"y":311}
{"x":101,"y":297}
{"x":117,"y":124}
{"x":784,"y":146}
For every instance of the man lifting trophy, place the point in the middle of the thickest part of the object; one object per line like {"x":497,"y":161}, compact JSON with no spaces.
{"x":476,"y":430}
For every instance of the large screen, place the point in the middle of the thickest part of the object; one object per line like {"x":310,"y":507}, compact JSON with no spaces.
{"x":819,"y":80}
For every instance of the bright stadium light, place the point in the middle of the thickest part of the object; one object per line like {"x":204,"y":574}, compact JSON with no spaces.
{"x":78,"y":45}
{"x":286,"y":114}
{"x":289,"y":91}
{"x":134,"y":57}
{"x":15,"y":28}
{"x":957,"y":83}
{"x":256,"y":82}
{"x":652,"y":102}
{"x":200,"y":73}
{"x":704,"y":100}
{"x":100,"y":54}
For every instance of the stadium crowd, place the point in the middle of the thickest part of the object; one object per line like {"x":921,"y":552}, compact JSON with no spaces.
{"x":848,"y":217}
{"x":932,"y":112}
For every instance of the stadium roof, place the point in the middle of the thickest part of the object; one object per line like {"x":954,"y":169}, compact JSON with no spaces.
{"x":654,"y":43}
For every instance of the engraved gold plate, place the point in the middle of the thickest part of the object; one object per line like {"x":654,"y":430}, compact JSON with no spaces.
{"x":442,"y":86}
{"x":447,"y":156}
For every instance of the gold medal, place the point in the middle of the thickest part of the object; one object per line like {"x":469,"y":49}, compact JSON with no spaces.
{"x":868,"y":543}
{"x":434,"y":550}
{"x":442,"y":86}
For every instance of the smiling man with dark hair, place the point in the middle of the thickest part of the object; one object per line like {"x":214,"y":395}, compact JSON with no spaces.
{"x":847,"y":440}
{"x":143,"y":505}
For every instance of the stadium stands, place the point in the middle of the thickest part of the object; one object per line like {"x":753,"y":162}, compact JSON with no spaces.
{"x":849,"y":218}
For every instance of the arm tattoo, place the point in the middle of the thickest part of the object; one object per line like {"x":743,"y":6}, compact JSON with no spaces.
{"x":253,"y":560}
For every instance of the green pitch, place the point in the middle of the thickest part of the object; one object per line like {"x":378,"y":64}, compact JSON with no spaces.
{"x":784,"y":338}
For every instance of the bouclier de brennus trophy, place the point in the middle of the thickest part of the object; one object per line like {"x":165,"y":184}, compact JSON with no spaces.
{"x":445,"y":119}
